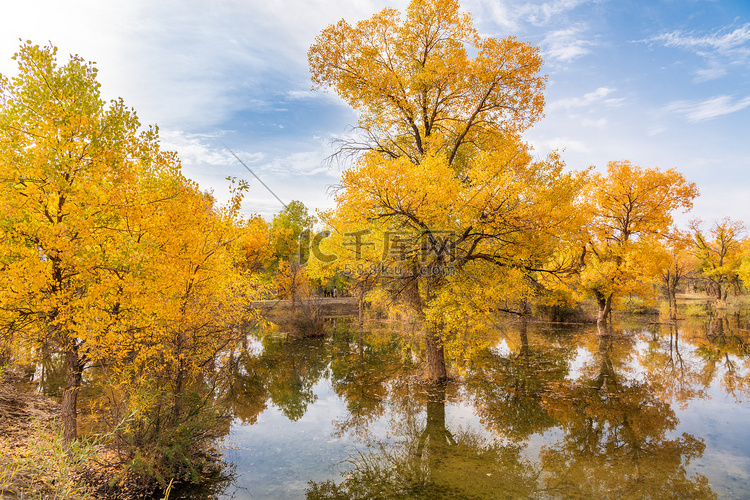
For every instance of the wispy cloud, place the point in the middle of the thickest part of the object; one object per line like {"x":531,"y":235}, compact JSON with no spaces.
{"x":698,"y":111}
{"x":595,"y":99}
{"x":511,"y":14}
{"x":202,"y":149}
{"x":567,"y":44}
{"x":723,"y":40}
{"x":560,"y":143}
{"x":721,"y":49}
{"x":541,"y":14}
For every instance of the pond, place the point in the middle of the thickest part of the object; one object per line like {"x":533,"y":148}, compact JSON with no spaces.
{"x":543,"y":411}
{"x":540,"y":411}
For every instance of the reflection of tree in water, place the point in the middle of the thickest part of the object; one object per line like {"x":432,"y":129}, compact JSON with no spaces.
{"x":616,"y":442}
{"x":509,"y":390}
{"x":723,"y":350}
{"x":673,"y":376}
{"x":615,"y":439}
{"x":365,"y":373}
{"x":430,"y":461}
{"x":245,"y":384}
{"x":283,"y":372}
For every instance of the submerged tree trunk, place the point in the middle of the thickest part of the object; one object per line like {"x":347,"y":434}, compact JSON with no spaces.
{"x":721,"y":296}
{"x":435,"y":370}
{"x":605,"y":307}
{"x":70,"y":395}
{"x":672,"y":304}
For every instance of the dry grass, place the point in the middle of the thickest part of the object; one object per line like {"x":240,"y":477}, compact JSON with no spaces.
{"x":33,"y":464}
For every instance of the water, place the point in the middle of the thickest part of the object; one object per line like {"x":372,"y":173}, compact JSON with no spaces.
{"x":649,"y":411}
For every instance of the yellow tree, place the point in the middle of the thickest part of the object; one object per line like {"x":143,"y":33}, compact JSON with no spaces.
{"x":678,"y":263}
{"x":178,"y":309}
{"x":720,"y":254}
{"x":629,"y":211}
{"x":744,"y":270}
{"x":442,"y":195}
{"x":107,"y":253}
{"x":66,"y":164}
{"x":255,"y":244}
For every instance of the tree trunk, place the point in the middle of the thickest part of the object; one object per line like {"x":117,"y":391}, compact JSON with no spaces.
{"x":435,"y":370}
{"x":605,"y":307}
{"x":70,"y":395}
{"x":721,"y":296}
{"x":672,"y":298}
{"x":360,"y":305}
{"x":603,"y":330}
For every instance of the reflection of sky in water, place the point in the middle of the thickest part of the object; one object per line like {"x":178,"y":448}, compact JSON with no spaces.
{"x":276,"y":458}
{"x":582,"y":358}
{"x":723,"y":423}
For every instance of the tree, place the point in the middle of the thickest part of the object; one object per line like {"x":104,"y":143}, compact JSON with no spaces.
{"x":629,"y":211}
{"x":107,"y":253}
{"x":443,"y":194}
{"x":678,"y":263}
{"x":416,"y":88}
{"x":720,"y":253}
{"x":287,"y":228}
{"x":255,"y":244}
{"x":744,"y":270}
{"x":67,"y":165}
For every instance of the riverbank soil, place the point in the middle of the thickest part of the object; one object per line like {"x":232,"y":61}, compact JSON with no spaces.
{"x":23,"y":416}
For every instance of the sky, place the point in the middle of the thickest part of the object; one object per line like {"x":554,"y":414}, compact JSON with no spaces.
{"x":662,"y":83}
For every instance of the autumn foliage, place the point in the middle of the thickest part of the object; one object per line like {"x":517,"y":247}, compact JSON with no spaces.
{"x":108,"y":254}
{"x":113,"y":259}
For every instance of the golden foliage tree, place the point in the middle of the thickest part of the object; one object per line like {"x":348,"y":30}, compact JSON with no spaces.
{"x":107,"y":253}
{"x":444,"y":200}
{"x":417,"y":90}
{"x":720,"y":254}
{"x":628,"y":212}
{"x":677,"y":264}
{"x":68,"y":165}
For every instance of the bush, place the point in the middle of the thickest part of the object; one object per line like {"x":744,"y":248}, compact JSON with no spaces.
{"x":168,"y":437}
{"x":697,"y":309}
{"x":636,"y":305}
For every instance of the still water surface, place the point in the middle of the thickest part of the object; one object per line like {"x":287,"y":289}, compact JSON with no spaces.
{"x":647,"y":411}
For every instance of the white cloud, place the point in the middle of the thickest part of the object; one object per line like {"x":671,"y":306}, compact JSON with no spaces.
{"x":721,"y":49}
{"x":594,"y":100}
{"x":183,"y":64}
{"x":655,"y":130}
{"x":560,"y":143}
{"x":723,"y":40}
{"x":295,"y":176}
{"x":711,"y":73}
{"x":510,"y":14}
{"x":202,"y":149}
{"x":566,"y":45}
{"x":698,"y":111}
{"x":541,"y":14}
{"x":598,"y":123}
{"x":295,"y":164}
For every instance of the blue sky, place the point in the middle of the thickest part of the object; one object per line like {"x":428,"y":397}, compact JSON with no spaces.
{"x":663,"y":83}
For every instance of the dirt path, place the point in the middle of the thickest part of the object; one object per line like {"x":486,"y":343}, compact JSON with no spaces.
{"x":22,"y":413}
